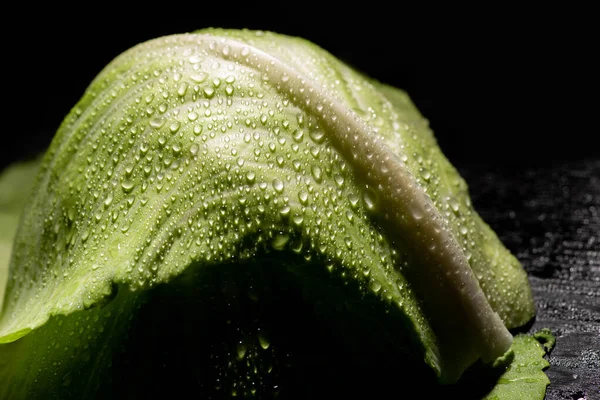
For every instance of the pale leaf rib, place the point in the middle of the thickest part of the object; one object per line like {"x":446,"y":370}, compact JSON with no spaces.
{"x":407,"y":204}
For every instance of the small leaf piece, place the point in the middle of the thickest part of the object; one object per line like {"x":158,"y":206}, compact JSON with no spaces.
{"x":524,"y":377}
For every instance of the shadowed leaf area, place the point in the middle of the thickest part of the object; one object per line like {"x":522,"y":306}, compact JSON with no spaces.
{"x":252,"y":331}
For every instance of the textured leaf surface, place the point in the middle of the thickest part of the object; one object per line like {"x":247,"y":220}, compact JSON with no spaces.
{"x":225,"y":146}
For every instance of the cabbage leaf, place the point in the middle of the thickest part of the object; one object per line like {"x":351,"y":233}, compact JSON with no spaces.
{"x":196,"y":153}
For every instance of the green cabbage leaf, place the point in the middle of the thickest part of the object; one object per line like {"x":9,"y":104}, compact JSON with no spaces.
{"x":203,"y":165}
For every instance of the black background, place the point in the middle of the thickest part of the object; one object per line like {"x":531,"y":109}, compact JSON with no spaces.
{"x":501,"y":86}
{"x":511,"y":94}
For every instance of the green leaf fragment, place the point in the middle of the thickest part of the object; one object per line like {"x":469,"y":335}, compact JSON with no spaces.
{"x":220,"y":147}
{"x":524,"y":377}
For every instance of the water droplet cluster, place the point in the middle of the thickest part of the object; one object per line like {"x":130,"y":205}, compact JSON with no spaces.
{"x":183,"y":152}
{"x":227,"y":145}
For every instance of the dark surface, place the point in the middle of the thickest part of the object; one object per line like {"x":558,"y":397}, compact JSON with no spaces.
{"x":507,"y":93}
{"x":550,"y":218}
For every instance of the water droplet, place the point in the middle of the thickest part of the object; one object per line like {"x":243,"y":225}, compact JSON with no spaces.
{"x":353,"y":199}
{"x":416,"y":212}
{"x":280,"y":241}
{"x":241,"y":351}
{"x":263,"y":340}
{"x":174,"y":127}
{"x":303,"y":197}
{"x":182,"y":89}
{"x":285,"y":211}
{"x":375,"y":285}
{"x":278,"y":185}
{"x":209,"y":92}
{"x":454,"y":205}
{"x":127,"y":185}
{"x":195,"y":59}
{"x":108,"y":199}
{"x":199,"y":77}
{"x":298,"y":219}
{"x":349,"y":216}
{"x":157,"y":122}
{"x":298,"y":135}
{"x":348,"y":241}
{"x":370,"y":199}
{"x":317,"y":173}
{"x":317,"y":136}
